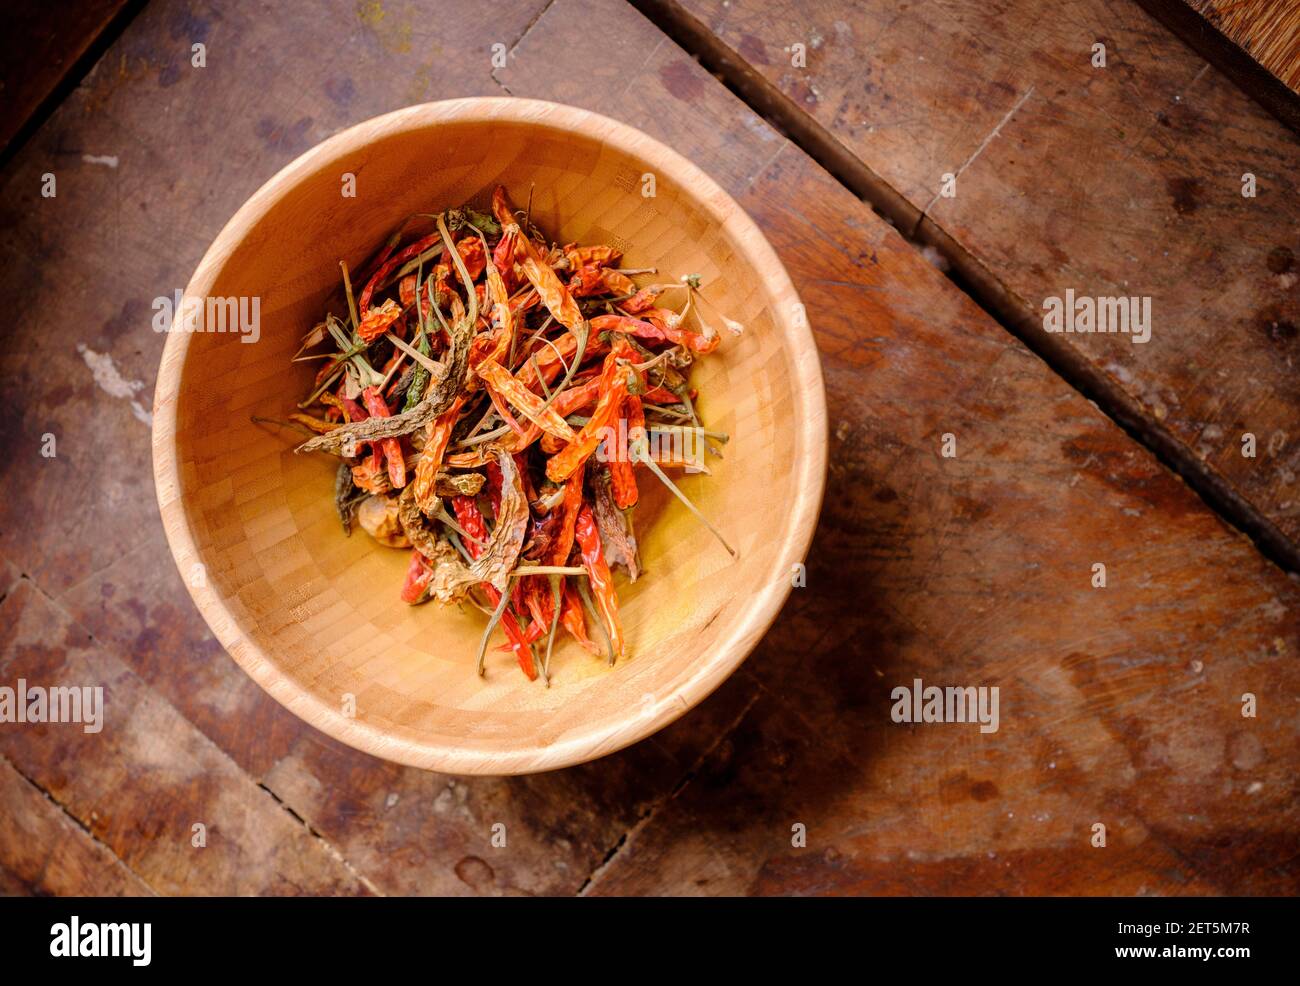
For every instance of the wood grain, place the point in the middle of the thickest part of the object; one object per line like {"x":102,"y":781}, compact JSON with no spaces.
{"x":1121,"y":705}
{"x":143,"y":782}
{"x":1267,"y":31}
{"x":1117,"y":181}
{"x":43,"y":852}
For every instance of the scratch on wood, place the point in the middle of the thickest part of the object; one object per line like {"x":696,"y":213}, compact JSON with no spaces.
{"x":978,"y":151}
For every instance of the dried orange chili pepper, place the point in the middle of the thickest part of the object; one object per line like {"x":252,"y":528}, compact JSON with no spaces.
{"x":622,"y":475}
{"x":532,"y":407}
{"x":613,"y":388}
{"x":555,"y":296}
{"x":436,"y":437}
{"x":658,"y":331}
{"x":376,"y":321}
{"x":595,"y":255}
{"x":616,"y":282}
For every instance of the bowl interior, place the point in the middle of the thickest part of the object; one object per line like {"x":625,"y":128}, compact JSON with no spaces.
{"x":315,"y":615}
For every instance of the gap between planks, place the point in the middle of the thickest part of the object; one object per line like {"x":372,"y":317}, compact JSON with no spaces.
{"x":71,"y":79}
{"x":77,"y":822}
{"x":970,"y":275}
{"x":326,"y":846}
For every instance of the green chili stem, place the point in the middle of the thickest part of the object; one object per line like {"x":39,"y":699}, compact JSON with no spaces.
{"x":487,"y":633}
{"x":636,"y":451}
{"x":599,"y":624}
{"x":555,"y":622}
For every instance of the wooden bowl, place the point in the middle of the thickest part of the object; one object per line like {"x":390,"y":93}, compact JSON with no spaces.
{"x":314,"y":616}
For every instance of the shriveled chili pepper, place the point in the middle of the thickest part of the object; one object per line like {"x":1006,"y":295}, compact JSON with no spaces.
{"x":376,"y":321}
{"x":569,"y":506}
{"x":616,"y":282}
{"x":436,"y":437}
{"x":418,"y":575}
{"x":471,"y":252}
{"x":594,"y":255}
{"x":498,"y":378}
{"x":572,"y":620}
{"x":555,"y":296}
{"x":471,"y":519}
{"x":587,"y":281}
{"x":643,"y":299}
{"x":655,"y":329}
{"x":495,"y":345}
{"x":390,"y":265}
{"x":614,"y":387}
{"x":392,"y":447}
{"x":622,"y":475}
{"x":315,"y":424}
{"x":602,"y":583}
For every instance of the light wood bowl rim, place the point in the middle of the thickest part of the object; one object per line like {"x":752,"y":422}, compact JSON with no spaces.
{"x":750,"y":623}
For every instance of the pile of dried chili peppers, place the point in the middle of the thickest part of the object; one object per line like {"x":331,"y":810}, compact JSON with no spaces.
{"x":489,"y":396}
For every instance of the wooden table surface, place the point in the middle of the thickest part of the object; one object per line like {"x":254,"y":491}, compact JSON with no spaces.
{"x":1121,"y":706}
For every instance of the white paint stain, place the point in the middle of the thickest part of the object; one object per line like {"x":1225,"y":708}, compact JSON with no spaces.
{"x":109,"y":160}
{"x":113,"y":383}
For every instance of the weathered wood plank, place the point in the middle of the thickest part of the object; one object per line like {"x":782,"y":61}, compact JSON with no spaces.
{"x":1123,"y":180}
{"x":1119,"y":705}
{"x":144,"y":780}
{"x":1256,"y":43}
{"x":415,"y":832}
{"x":40,"y":43}
{"x":47,"y":854}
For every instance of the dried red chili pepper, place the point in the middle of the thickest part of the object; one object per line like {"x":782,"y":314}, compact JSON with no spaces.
{"x":418,"y":575}
{"x":602,"y":583}
{"x":643,"y":299}
{"x":657,"y":330}
{"x":390,"y":265}
{"x":392,"y":447}
{"x":569,"y":507}
{"x":572,"y":620}
{"x":622,"y":475}
{"x":469,"y":517}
